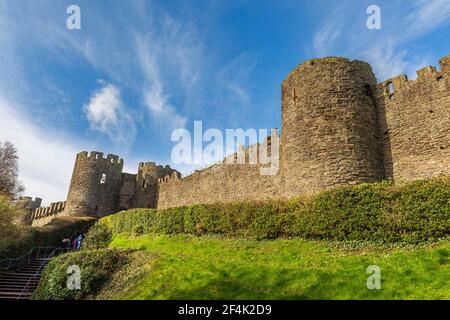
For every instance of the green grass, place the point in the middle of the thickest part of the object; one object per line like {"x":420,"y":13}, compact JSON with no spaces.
{"x":188,"y":267}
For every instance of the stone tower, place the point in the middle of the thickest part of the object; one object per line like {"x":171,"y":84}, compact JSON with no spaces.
{"x":146,"y":191}
{"x":330,"y":132}
{"x":95,"y":185}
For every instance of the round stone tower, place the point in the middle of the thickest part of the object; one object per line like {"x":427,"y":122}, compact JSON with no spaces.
{"x":330,"y":132}
{"x":95,"y":185}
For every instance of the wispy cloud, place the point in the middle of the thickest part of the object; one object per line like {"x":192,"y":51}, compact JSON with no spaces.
{"x":424,"y":17}
{"x":154,"y":97}
{"x":234,"y":76}
{"x":326,"y":37}
{"x":384,"y":49}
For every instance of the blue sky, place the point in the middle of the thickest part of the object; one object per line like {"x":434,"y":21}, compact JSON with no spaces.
{"x":139,"y":69}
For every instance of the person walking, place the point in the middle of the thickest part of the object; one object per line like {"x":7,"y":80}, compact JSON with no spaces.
{"x":74,"y":244}
{"x":65,"y":244}
{"x":79,"y":241}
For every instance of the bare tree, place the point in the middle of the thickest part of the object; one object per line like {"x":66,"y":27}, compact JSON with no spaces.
{"x":9,"y":185}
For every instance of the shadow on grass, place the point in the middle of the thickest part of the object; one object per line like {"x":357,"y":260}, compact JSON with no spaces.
{"x":297,"y":285}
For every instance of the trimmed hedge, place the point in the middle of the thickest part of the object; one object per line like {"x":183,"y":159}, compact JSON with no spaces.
{"x":98,"y":237}
{"x":379,"y":212}
{"x":96,"y":268}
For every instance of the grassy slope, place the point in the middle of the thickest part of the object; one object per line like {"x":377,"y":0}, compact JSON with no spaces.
{"x":187,"y":267}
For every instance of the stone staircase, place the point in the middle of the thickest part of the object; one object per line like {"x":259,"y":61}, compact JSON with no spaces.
{"x":21,"y":284}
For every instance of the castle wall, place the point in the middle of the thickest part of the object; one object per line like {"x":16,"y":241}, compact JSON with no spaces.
{"x":219,"y":183}
{"x":28,"y":203}
{"x":127,"y":191}
{"x":415,"y":124}
{"x":330,"y":132}
{"x":222,"y":182}
{"x":339,"y":127}
{"x":95,"y":186}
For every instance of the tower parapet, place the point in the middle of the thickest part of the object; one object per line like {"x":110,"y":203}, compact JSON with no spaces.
{"x":28,"y":204}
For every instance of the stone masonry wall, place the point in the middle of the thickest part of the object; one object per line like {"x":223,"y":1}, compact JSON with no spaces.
{"x":222,"y":182}
{"x":415,"y":124}
{"x":127,"y":191}
{"x":29,"y":205}
{"x":330,"y":133}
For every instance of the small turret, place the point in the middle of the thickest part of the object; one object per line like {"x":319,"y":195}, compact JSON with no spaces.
{"x":147,"y":184}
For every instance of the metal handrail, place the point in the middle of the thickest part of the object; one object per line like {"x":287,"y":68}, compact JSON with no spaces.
{"x":52,"y":254}
{"x":26,"y":257}
{"x":10,"y":260}
{"x":37,"y":273}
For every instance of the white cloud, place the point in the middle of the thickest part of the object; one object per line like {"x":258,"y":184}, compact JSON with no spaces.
{"x":184,"y":48}
{"x":46,"y":158}
{"x":103,"y":108}
{"x":107,"y":114}
{"x":424,"y":17}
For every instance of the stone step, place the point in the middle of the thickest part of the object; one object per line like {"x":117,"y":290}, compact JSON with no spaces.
{"x":13,"y":283}
{"x":19,"y":279}
{"x":15,"y":297}
{"x":11,"y":278}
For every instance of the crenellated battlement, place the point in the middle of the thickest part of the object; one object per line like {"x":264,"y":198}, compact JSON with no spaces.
{"x":444,"y":63}
{"x":150,"y":167}
{"x":413,"y":120}
{"x":147,"y":165}
{"x":42,"y":216}
{"x":99,"y":156}
{"x":428,"y":78}
{"x":29,"y":202}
